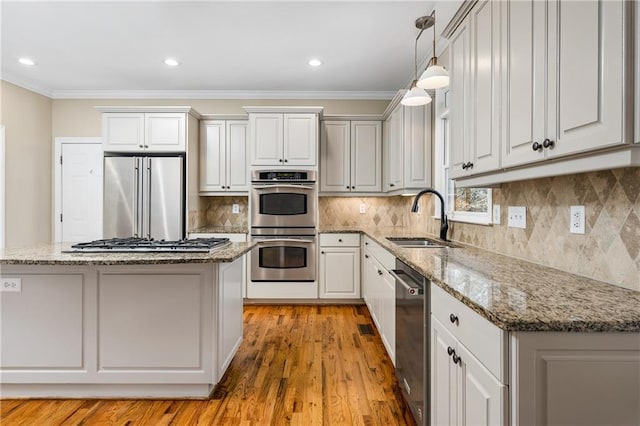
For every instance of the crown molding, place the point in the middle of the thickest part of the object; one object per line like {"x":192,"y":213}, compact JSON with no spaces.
{"x":25,"y":84}
{"x":352,"y":117}
{"x":284,"y":109}
{"x":127,"y":108}
{"x":219,"y":94}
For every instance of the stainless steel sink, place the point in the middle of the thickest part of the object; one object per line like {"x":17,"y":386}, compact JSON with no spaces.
{"x":416,"y":242}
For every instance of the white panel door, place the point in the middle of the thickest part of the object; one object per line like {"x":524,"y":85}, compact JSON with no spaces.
{"x":586,"y":80}
{"x":339,"y":272}
{"x":483,"y":398}
{"x":123,"y":132}
{"x":300,"y":139}
{"x":524,"y":31}
{"x":417,"y":147}
{"x":388,"y":308}
{"x":230,"y":283}
{"x":459,"y":72}
{"x":443,"y":376}
{"x":165,"y":132}
{"x":335,"y":156}
{"x":212,"y":156}
{"x":266,"y":139}
{"x":393,"y":149}
{"x":81,"y":192}
{"x":237,"y":162}
{"x":366,"y":156}
{"x":485,"y":93}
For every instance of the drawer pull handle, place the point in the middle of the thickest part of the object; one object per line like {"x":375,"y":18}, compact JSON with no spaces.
{"x":456,"y":359}
{"x":454,"y":319}
{"x":379,"y":272}
{"x":339,"y":240}
{"x":450,"y":351}
{"x":366,"y":256}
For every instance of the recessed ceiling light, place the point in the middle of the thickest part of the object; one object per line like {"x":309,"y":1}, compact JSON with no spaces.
{"x":171,"y":62}
{"x":27,"y":61}
{"x":315,"y":62}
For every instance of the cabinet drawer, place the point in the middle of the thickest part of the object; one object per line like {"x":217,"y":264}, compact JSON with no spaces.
{"x":339,"y":240}
{"x":486,"y":341}
{"x":387,"y":259}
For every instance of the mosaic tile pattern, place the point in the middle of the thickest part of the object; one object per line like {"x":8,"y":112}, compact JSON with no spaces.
{"x":609,"y":251}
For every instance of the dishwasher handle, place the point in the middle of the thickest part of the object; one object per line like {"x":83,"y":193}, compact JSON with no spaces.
{"x":415,"y":290}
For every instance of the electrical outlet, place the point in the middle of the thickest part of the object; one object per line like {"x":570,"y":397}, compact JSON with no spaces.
{"x":235,"y":209}
{"x":576,"y":219}
{"x":517,"y":217}
{"x":496,"y":214}
{"x":363,"y":208}
{"x":10,"y":284}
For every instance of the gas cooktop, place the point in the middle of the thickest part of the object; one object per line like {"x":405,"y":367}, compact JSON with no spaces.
{"x":133,"y":244}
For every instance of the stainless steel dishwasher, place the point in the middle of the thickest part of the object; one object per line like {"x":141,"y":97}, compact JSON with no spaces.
{"x":412,"y":337}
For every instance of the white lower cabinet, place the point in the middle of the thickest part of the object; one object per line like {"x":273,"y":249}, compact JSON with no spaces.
{"x":230,"y":289}
{"x":378,"y":289}
{"x":340,"y":266}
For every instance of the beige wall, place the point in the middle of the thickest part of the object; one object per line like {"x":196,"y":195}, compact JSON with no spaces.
{"x":27,"y":117}
{"x":78,"y":117}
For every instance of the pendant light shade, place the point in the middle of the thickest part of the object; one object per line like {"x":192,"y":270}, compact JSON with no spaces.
{"x":415,"y":96}
{"x":434,"y":77}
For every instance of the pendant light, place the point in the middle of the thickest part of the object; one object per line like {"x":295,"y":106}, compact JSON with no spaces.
{"x":417,"y":96}
{"x":435,"y":76}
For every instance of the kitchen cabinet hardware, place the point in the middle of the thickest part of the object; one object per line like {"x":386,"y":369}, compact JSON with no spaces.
{"x":547,"y":143}
{"x":366,"y":243}
{"x":347,"y":186}
{"x":322,"y":252}
{"x":454,"y":319}
{"x":456,"y":359}
{"x":141,"y":146}
{"x":450,"y":351}
{"x":286,"y":161}
{"x":537,"y":146}
{"x":379,"y":272}
{"x":280,"y":160}
{"x":339,"y":240}
{"x":392,"y":185}
{"x":366,"y":256}
{"x":223,"y":153}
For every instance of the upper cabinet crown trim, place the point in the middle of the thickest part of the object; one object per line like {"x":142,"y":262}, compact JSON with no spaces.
{"x":284,"y":109}
{"x":352,"y":117}
{"x":183,"y":109}
{"x":224,"y":117}
{"x":457,"y":19}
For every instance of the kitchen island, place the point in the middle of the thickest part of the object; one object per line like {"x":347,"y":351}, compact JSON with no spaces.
{"x":143,"y":325}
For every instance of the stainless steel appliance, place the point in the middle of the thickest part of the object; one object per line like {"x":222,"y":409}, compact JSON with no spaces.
{"x":284,"y":258}
{"x":133,"y":244}
{"x":412,"y":337}
{"x":283,"y":199}
{"x":144,"y":197}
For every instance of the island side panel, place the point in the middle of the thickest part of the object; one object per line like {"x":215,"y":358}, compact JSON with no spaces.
{"x":230,"y":322}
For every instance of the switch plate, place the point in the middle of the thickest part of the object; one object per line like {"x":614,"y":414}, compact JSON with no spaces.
{"x":517,"y":217}
{"x":496,"y":214}
{"x":576,"y":219}
{"x":363,"y":208}
{"x":10,"y":284}
{"x":235,"y":209}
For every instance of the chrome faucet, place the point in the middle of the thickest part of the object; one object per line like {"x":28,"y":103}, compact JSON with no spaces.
{"x":444,"y":224}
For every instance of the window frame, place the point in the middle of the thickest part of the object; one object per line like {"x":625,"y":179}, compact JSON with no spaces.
{"x":441,"y":162}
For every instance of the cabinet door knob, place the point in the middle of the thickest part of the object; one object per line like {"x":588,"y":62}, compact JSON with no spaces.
{"x":454,"y":319}
{"x":536,"y":146}
{"x":450,"y":351}
{"x":379,"y":272}
{"x":353,"y":187}
{"x":547,"y":143}
{"x":146,"y":146}
{"x":140,"y":146}
{"x":366,"y":256}
{"x":348,"y":187}
{"x":456,"y":359}
{"x":286,"y":161}
{"x":322,"y":252}
{"x":339,"y":240}
{"x":280,"y":160}
{"x":392,"y":185}
{"x":366,"y":243}
{"x":469,"y":165}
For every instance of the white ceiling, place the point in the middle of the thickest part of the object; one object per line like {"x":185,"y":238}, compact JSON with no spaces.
{"x":226,"y":48}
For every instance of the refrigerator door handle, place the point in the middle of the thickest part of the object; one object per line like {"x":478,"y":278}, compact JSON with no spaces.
{"x":136,"y":204}
{"x":147,"y":198}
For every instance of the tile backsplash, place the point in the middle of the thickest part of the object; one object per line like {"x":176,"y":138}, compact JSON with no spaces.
{"x":218,"y":211}
{"x":609,"y":250}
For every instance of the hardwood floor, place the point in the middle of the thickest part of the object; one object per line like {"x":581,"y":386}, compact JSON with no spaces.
{"x":299,"y":365}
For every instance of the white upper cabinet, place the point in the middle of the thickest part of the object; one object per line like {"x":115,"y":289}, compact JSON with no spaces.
{"x":475,"y":92}
{"x":579,"y":95}
{"x":393,"y":149}
{"x":144,"y":132}
{"x":283,"y":139}
{"x":223,"y":156}
{"x":351,"y":156}
{"x":407,"y":147}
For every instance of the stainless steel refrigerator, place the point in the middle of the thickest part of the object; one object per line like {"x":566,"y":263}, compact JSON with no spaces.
{"x":144,"y":197}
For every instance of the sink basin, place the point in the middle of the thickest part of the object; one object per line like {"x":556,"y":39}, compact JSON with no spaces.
{"x":416,"y":242}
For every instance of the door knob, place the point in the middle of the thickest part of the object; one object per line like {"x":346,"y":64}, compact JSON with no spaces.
{"x":536,"y":146}
{"x":548,"y":143}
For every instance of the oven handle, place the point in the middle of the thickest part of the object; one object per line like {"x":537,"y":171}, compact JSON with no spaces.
{"x":283,"y":240}
{"x":279,"y":185}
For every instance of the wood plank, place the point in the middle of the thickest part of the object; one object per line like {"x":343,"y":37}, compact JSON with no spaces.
{"x":297,"y":365}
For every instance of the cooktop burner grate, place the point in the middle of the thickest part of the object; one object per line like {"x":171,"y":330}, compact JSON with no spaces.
{"x":133,"y":244}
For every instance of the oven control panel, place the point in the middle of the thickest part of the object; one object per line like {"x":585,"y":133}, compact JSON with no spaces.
{"x":283,"y":175}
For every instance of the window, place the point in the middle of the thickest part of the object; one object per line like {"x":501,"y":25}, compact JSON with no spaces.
{"x":471,"y":205}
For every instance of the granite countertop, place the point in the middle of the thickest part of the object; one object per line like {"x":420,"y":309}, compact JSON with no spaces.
{"x":220,"y":229}
{"x":514,"y":294}
{"x":51,"y":254}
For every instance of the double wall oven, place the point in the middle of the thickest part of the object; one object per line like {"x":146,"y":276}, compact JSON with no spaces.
{"x":283,"y":224}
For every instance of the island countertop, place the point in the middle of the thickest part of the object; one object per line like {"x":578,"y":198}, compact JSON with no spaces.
{"x":514,"y":294}
{"x":52,"y":254}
